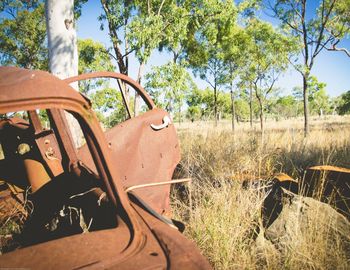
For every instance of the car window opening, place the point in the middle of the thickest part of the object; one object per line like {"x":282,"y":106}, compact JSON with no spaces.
{"x":113,"y":100}
{"x":45,"y":193}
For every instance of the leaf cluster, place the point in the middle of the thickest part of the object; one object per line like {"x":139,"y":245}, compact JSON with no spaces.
{"x":23,"y":39}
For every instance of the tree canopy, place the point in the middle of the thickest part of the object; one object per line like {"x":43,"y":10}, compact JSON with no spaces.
{"x":23,"y":36}
{"x":225,"y":43}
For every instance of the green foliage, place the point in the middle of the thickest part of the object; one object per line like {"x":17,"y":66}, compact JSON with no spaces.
{"x":268,"y":52}
{"x":322,"y":29}
{"x":156,"y":24}
{"x":338,"y":26}
{"x":143,"y":26}
{"x":93,"y":56}
{"x":344,"y":107}
{"x":23,"y":33}
{"x":108,"y":104}
{"x":107,"y":101}
{"x":318,"y":98}
{"x":23,"y":37}
{"x":194,"y":113}
{"x":117,"y":14}
{"x":209,"y":28}
{"x":267,"y":56}
{"x":174,"y":32}
{"x":297,"y":93}
{"x":12,"y":7}
{"x":235,"y":51}
{"x":169,"y":84}
{"x":286,"y":107}
{"x":201,"y":100}
{"x":242,"y":109}
{"x":200,"y":105}
{"x":78,"y":4}
{"x":144,"y":35}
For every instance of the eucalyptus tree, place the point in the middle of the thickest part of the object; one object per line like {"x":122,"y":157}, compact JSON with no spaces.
{"x":285,"y":106}
{"x":117,"y":13}
{"x":235,"y":52}
{"x":235,"y":45}
{"x":140,"y":27}
{"x":245,"y":86}
{"x":157,"y":24}
{"x":269,"y":52}
{"x":62,"y":38}
{"x":63,"y":49}
{"x":316,"y":31}
{"x":204,"y":47}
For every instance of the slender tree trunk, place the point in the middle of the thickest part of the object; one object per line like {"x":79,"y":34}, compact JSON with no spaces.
{"x":175,"y":57}
{"x":122,"y":60}
{"x":114,"y":38}
{"x":126,"y":42}
{"x":63,"y":51}
{"x":261,"y":108}
{"x":126,"y":63}
{"x":137,"y":100}
{"x":251,"y":106}
{"x":215,"y":107}
{"x":180,"y":114}
{"x":306,"y":105}
{"x":308,"y":68}
{"x":261,"y":114}
{"x":233,"y":110}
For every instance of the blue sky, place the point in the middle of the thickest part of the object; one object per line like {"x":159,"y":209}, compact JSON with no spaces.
{"x":332,"y":68}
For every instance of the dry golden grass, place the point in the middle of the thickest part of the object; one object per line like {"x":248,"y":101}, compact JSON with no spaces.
{"x":221,"y":216}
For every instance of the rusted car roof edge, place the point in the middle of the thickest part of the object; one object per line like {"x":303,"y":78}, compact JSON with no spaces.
{"x":22,"y":84}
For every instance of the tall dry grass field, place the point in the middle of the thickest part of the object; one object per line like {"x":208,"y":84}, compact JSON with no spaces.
{"x":222,"y":216}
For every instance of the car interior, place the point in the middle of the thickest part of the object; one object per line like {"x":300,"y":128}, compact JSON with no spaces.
{"x":46,"y":191}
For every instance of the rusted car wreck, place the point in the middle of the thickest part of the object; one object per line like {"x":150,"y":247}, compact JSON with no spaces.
{"x":104,"y":204}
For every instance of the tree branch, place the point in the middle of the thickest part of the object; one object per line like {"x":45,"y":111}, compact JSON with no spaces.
{"x":335,"y":48}
{"x":210,"y":83}
{"x":295,"y":66}
{"x":272,"y":84}
{"x":160,"y":7}
{"x":114,"y":36}
{"x":306,"y":49}
{"x":323,"y":25}
{"x":129,"y":52}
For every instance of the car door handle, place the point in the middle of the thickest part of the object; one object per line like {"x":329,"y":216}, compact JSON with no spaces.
{"x":166,"y":122}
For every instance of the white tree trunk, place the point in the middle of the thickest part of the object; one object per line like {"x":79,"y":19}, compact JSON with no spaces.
{"x":63,"y":51}
{"x":62,"y":38}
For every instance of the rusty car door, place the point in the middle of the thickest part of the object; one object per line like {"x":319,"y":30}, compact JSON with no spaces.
{"x":145,"y":148}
